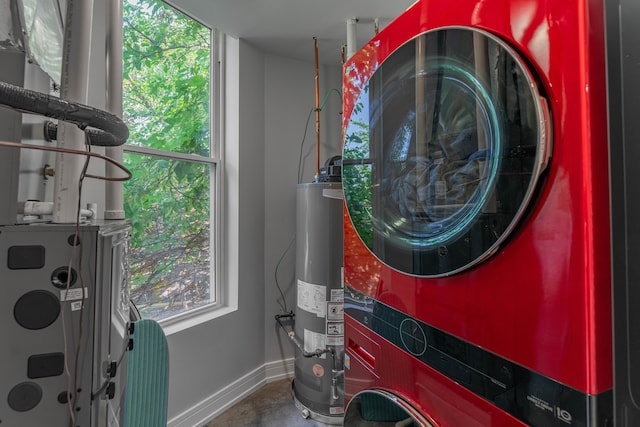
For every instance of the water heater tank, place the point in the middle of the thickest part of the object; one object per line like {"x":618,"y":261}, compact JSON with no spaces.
{"x":319,"y":376}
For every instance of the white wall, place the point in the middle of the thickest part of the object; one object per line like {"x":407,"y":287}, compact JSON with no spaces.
{"x":289,"y":97}
{"x":207,"y":358}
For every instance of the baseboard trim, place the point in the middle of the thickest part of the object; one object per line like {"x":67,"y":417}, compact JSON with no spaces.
{"x":209,"y":408}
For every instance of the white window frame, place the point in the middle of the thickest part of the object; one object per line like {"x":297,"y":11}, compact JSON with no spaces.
{"x":219,"y":293}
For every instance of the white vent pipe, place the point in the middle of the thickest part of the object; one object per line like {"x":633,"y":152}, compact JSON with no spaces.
{"x":73,"y":87}
{"x":352,"y":43}
{"x":114,"y":200}
{"x":46,"y":208}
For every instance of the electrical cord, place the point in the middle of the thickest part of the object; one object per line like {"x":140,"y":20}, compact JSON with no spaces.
{"x":304,"y":136}
{"x":283,"y":306}
{"x":72,"y":379}
{"x":71,"y":392}
{"x":106,"y":382}
{"x":136,"y":312}
{"x":306,"y":127}
{"x":72,"y":383}
{"x":78,"y":243}
{"x":291,"y":334}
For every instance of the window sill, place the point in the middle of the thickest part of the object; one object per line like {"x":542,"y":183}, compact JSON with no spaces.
{"x":180,"y":322}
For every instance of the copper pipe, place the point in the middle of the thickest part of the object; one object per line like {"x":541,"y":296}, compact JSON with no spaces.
{"x":77,"y":152}
{"x":315,"y":39}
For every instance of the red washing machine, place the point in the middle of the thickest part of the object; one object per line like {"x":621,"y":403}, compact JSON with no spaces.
{"x":477,"y":251}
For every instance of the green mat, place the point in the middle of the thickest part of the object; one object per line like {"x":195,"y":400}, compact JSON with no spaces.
{"x":147,"y":391}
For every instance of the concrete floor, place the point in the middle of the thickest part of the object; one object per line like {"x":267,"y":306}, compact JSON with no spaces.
{"x":270,"y":406}
{"x":273,"y":406}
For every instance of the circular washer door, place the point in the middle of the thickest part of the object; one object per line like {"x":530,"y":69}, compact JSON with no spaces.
{"x":380,"y":408}
{"x":443,"y":150}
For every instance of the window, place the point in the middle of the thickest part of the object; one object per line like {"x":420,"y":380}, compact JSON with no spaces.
{"x":168,"y":82}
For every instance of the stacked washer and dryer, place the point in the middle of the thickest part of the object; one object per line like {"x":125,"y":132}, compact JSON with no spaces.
{"x":477,"y":251}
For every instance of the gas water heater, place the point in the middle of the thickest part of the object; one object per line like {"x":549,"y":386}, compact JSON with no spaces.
{"x":319,"y":376}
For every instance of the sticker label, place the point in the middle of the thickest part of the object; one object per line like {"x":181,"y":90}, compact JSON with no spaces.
{"x":76,"y":305}
{"x":314,"y":341}
{"x":318,"y":370}
{"x":312,"y":298}
{"x":347,"y":361}
{"x":73,"y":294}
{"x":335,"y":410}
{"x":337,"y":295}
{"x":335,"y":328}
{"x":335,"y":340}
{"x":335,"y":311}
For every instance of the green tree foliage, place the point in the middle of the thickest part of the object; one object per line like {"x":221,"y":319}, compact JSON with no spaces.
{"x":166,"y":97}
{"x":356,"y":172}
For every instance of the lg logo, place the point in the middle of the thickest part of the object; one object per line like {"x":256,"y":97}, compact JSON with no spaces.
{"x":564,"y":415}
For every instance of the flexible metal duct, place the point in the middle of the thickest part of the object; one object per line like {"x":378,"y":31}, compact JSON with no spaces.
{"x":106,"y":129}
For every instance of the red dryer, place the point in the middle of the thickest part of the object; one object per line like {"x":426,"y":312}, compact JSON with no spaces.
{"x":477,"y":250}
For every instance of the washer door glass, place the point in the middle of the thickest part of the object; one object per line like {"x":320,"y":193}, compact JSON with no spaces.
{"x":442,"y":152}
{"x":379,"y":408}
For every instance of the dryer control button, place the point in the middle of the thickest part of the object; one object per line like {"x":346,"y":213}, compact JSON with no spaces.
{"x":413,"y":338}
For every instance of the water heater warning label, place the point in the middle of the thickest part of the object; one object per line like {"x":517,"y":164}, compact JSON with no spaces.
{"x":314,"y":341}
{"x":335,"y":311}
{"x":312,"y":298}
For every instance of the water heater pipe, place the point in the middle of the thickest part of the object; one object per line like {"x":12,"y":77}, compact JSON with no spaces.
{"x":73,"y":87}
{"x":315,"y":40}
{"x":114,"y":199}
{"x":335,"y":373}
{"x":351,"y":36}
{"x":296,"y":341}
